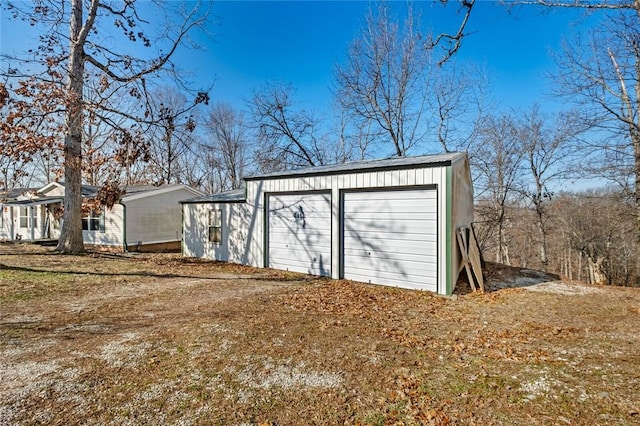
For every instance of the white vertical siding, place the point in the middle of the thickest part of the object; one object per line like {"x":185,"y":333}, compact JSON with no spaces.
{"x":193,"y":234}
{"x":426,"y":176}
{"x":440,"y":174}
{"x":236,"y":220}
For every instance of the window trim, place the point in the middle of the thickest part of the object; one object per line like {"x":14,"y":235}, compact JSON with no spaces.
{"x":91,"y":219}
{"x":214,"y":222}
{"x":29,"y":221}
{"x":23,"y":217}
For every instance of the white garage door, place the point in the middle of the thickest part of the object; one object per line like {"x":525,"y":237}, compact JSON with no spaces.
{"x":390,"y":237}
{"x":299,"y":233}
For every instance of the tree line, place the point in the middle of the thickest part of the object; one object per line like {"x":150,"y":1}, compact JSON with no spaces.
{"x":75,"y":108}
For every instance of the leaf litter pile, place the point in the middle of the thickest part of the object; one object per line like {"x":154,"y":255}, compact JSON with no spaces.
{"x":136,"y":339}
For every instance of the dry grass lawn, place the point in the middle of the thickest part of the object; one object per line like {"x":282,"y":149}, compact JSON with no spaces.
{"x":160,"y":340}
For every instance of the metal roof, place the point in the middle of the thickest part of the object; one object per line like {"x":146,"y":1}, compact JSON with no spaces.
{"x":234,"y":196}
{"x":437,"y":160}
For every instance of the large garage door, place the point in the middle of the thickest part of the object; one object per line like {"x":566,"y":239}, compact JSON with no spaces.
{"x":299,"y":233}
{"x":390,"y":238}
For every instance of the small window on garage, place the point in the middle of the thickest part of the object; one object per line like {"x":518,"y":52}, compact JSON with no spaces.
{"x":215,"y":226}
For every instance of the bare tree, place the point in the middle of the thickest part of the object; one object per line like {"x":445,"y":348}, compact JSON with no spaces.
{"x":227,"y":145}
{"x":598,"y":224}
{"x":170,"y":136}
{"x":600,"y":72}
{"x":456,"y":100}
{"x":547,"y":153}
{"x":73,"y":45}
{"x":287,"y":136}
{"x":12,"y":173}
{"x":102,"y":150}
{"x":381,"y":82}
{"x":450,"y":43}
{"x":497,"y":159}
{"x":355,"y":138}
{"x":13,"y":162}
{"x":391,"y":89}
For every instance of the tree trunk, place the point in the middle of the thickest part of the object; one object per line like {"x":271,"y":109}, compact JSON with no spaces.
{"x":500,"y":253}
{"x":542,"y":234}
{"x":636,"y":149}
{"x":596,"y":274}
{"x":71,"y":233}
{"x":635,"y":139}
{"x":569,"y":264}
{"x":580,"y":266}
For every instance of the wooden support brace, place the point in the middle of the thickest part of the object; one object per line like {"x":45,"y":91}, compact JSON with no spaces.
{"x":460,"y":235}
{"x":475,"y":259}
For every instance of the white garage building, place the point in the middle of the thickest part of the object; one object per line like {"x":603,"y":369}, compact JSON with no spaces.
{"x":389,"y":222}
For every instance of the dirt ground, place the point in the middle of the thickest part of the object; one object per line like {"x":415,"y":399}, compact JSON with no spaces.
{"x":160,"y":340}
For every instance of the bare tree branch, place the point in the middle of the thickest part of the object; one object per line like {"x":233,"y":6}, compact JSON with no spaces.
{"x":453,"y":41}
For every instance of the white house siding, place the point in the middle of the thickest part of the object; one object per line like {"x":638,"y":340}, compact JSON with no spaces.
{"x":54,"y":190}
{"x":194,"y":231}
{"x":156,"y":217}
{"x":6,"y":221}
{"x":113,"y":229}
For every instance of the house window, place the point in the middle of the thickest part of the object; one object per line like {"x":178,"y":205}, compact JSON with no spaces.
{"x":25,"y":218}
{"x":93,"y":222}
{"x":215,"y":226}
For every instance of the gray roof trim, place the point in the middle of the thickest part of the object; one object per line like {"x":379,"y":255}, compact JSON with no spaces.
{"x":400,"y":163}
{"x":234,"y":196}
{"x":88,"y":190}
{"x":35,"y":201}
{"x":12,"y":194}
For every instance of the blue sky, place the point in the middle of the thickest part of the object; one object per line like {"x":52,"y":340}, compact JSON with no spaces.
{"x":301,"y":41}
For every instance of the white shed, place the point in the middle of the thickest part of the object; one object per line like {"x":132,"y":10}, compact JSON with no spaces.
{"x":145,"y":218}
{"x":216,"y":227}
{"x":389,"y":222}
